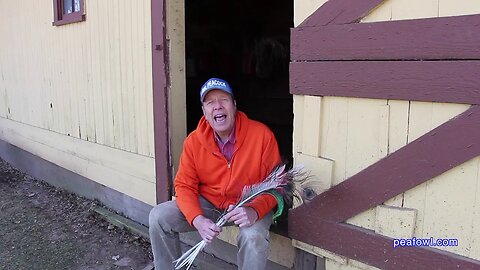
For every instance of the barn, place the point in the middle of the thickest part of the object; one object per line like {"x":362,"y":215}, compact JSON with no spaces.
{"x":377,"y":98}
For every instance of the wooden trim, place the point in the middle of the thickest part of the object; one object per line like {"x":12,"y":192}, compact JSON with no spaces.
{"x":419,"y":161}
{"x":436,"y":81}
{"x":160,"y":113}
{"x":434,"y":38}
{"x":340,"y":12}
{"x":371,"y":248}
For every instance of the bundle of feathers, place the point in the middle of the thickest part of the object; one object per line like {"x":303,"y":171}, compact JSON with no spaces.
{"x":291,"y":184}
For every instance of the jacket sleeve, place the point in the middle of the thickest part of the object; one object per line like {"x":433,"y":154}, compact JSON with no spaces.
{"x":270,"y":158}
{"x":186,"y":185}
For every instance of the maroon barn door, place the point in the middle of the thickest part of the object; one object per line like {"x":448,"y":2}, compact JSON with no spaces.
{"x":435,"y":60}
{"x":160,"y":98}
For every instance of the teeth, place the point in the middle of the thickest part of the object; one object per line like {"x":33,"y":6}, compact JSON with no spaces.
{"x":220,"y":117}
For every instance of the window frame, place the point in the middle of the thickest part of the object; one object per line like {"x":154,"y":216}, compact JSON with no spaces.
{"x":61,"y":19}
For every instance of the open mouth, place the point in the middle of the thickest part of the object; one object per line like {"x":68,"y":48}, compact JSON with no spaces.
{"x":220,"y":118}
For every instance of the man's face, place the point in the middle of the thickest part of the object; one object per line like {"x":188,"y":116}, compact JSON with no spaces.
{"x":219,"y":110}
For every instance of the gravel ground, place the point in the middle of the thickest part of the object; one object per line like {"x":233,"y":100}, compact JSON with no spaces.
{"x":46,"y":228}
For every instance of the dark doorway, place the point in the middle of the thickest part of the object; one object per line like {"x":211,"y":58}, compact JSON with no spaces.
{"x":246,"y":43}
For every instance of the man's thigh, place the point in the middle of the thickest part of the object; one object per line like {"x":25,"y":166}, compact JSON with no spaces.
{"x":172,"y":219}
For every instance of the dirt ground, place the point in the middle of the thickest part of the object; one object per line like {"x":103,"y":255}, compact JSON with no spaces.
{"x":45,"y":228}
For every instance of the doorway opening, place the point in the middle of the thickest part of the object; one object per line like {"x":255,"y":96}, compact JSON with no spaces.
{"x":247,"y":43}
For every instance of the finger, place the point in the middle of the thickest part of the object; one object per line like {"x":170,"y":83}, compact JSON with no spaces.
{"x":216,"y":229}
{"x":228,"y":215}
{"x":232,"y":213}
{"x":230,"y":207}
{"x":234,"y":218}
{"x":240,"y":221}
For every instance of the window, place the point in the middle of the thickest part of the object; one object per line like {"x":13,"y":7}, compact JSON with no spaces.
{"x":68,"y":11}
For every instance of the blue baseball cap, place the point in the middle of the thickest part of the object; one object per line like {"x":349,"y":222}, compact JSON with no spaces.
{"x":214,"y":83}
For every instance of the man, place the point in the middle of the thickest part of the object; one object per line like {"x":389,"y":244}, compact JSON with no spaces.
{"x":226,"y":152}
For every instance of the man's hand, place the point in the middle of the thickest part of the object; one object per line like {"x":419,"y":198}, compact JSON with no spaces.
{"x":207,"y":229}
{"x":242,"y":216}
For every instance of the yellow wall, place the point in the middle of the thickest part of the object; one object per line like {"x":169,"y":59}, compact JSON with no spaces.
{"x":88,"y":85}
{"x":338,"y":137}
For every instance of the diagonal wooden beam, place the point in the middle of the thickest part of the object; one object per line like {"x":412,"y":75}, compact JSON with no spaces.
{"x":434,"y":153}
{"x":340,"y":12}
{"x":435,"y":38}
{"x":436,"y":81}
{"x":371,"y":248}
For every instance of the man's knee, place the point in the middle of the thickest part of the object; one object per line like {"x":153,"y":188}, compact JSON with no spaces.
{"x":255,"y":238}
{"x":163,"y":214}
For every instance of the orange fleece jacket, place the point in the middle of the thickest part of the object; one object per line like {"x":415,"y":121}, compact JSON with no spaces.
{"x":204,"y":171}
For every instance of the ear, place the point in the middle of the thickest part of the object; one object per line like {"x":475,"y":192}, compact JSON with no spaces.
{"x":234,"y":103}
{"x":203,"y":110}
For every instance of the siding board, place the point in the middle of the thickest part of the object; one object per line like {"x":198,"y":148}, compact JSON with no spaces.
{"x":413,"y":9}
{"x":425,"y":116}
{"x":475,"y":240}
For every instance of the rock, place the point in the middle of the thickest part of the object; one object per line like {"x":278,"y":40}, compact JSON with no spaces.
{"x":123,"y":262}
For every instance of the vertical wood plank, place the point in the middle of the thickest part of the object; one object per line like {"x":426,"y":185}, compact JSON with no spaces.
{"x":65,"y":94}
{"x":143,"y":74}
{"x":311,"y":125}
{"x":474,"y":246}
{"x":425,"y":116}
{"x":82,"y":75}
{"x":458,"y":7}
{"x":109,"y":117}
{"x":420,"y":123}
{"x":366,"y":139}
{"x":398,"y":132}
{"x":3,"y":64}
{"x":136,"y":62}
{"x":398,"y":124}
{"x":367,"y":143}
{"x":127,"y":89}
{"x":98,"y":90}
{"x":333,"y":139}
{"x":412,"y":9}
{"x":449,"y":204}
{"x":148,"y":105}
{"x":115,"y":94}
{"x":298,"y":115}
{"x":89,"y":92}
{"x":381,"y":13}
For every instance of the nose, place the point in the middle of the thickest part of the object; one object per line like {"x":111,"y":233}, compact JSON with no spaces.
{"x":217,"y":104}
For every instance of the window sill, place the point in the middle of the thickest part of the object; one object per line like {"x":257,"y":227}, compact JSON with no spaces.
{"x":70,"y":18}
